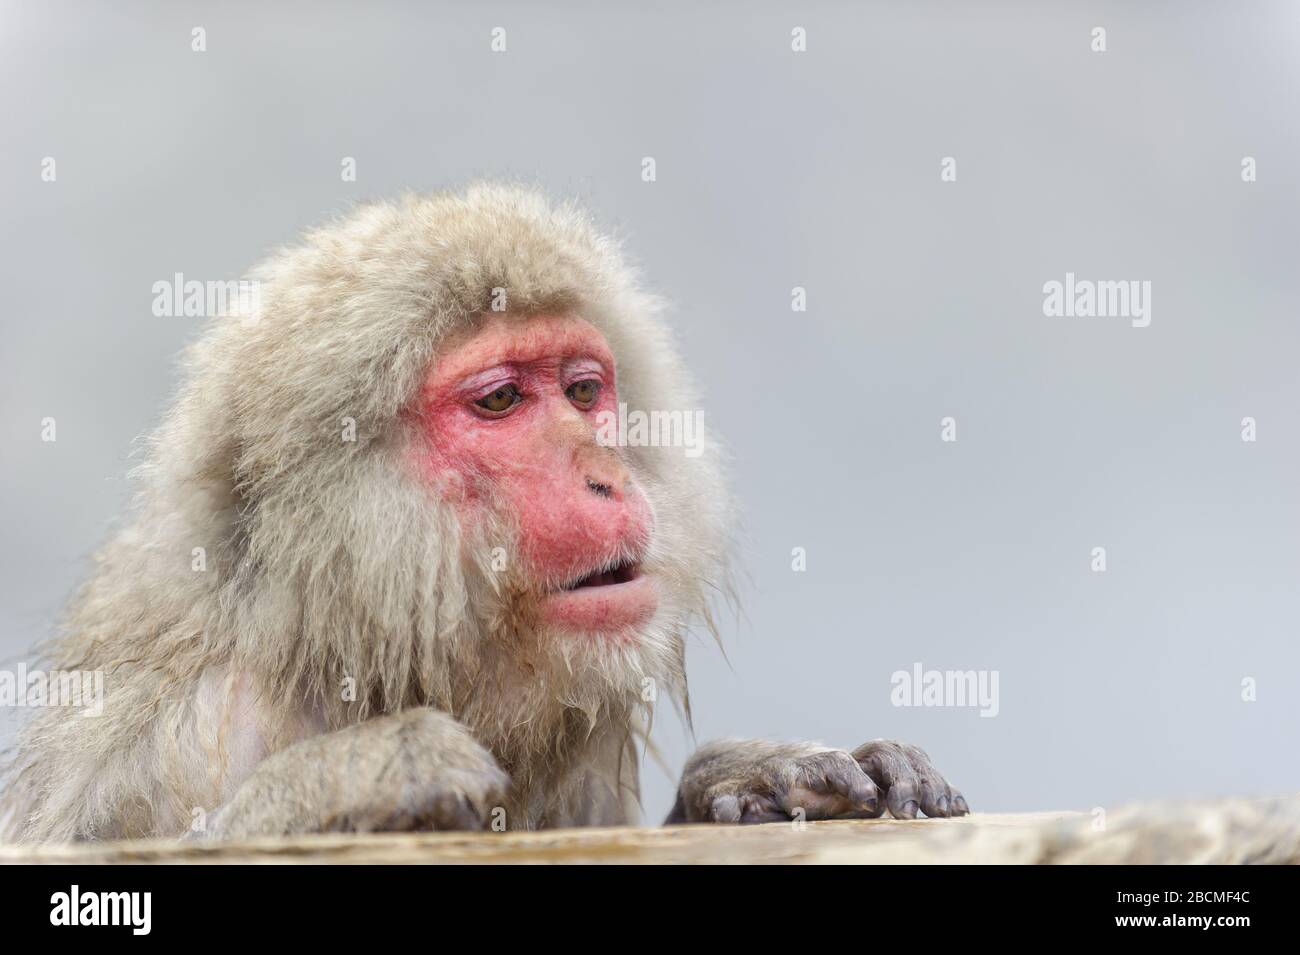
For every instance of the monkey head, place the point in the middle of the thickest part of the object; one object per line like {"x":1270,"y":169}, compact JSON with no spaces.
{"x":511,"y":413}
{"x":395,"y":469}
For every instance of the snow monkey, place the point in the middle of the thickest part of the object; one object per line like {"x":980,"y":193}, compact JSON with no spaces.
{"x":383,"y":572}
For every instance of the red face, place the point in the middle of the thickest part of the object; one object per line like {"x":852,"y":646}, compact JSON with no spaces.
{"x":511,"y":415}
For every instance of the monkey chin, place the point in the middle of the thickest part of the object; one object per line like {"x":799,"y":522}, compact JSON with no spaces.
{"x":613,"y":602}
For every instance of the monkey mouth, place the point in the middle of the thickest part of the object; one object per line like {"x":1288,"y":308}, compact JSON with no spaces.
{"x":623,"y":572}
{"x":614,"y":599}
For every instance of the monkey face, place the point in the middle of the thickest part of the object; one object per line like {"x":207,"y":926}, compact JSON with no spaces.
{"x":510,"y":412}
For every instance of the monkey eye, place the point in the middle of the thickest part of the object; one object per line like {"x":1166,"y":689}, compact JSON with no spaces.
{"x":501,"y":400}
{"x":583,"y":392}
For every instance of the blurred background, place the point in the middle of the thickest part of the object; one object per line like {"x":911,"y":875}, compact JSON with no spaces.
{"x":774,"y":169}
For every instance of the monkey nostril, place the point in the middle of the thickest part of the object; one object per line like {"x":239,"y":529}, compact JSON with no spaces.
{"x":602,"y":490}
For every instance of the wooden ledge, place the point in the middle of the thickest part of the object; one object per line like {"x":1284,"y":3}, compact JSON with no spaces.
{"x":1230,"y":831}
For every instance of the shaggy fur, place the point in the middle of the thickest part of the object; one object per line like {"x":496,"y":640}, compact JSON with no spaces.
{"x":328,"y":560}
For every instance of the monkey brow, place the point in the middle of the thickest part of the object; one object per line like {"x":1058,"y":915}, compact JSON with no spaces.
{"x":511,"y":361}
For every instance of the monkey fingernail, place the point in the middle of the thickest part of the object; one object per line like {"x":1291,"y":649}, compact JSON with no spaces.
{"x":725,"y":809}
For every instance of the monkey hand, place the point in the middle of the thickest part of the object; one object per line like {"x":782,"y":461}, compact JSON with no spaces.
{"x":414,"y":770}
{"x":908,"y":780}
{"x":750,"y":781}
{"x":735,"y":780}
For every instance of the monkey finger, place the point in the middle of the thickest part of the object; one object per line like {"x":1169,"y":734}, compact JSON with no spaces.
{"x":936,"y":794}
{"x":935,"y":800}
{"x":745,"y":808}
{"x":832,"y":785}
{"x":858,"y":788}
{"x":724,"y":809}
{"x":757,"y":808}
{"x":891,"y":770}
{"x":453,"y":811}
{"x":885,"y":762}
{"x":439,"y":810}
{"x":904,"y":800}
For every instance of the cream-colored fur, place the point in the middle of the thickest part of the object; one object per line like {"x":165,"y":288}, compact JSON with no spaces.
{"x":330,"y":561}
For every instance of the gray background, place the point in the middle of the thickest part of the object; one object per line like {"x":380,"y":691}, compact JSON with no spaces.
{"x":925,"y":299}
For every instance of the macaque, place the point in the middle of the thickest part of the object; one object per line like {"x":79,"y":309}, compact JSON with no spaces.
{"x":429,"y":597}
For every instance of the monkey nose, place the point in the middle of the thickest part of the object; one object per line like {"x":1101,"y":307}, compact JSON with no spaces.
{"x":599,"y":489}
{"x":606,"y":482}
{"x":602,"y":471}
{"x":609,"y":487}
